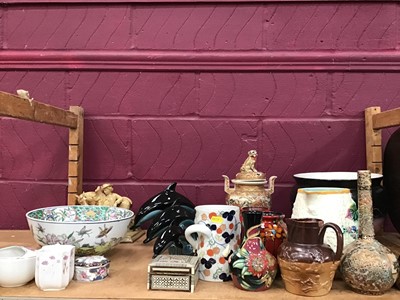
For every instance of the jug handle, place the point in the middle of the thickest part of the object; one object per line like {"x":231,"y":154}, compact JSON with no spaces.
{"x":196,"y":228}
{"x":339,"y":238}
{"x":271,"y":183}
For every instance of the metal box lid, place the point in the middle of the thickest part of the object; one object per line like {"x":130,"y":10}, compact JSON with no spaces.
{"x":174,"y":264}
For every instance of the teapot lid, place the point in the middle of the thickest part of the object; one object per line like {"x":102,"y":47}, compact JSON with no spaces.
{"x":248,"y":170}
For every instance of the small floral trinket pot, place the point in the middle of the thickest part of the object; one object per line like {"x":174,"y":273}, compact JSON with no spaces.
{"x":91,"y":268}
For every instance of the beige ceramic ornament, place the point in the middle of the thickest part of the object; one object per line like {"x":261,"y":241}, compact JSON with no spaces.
{"x":249,"y":185}
{"x":104,"y":195}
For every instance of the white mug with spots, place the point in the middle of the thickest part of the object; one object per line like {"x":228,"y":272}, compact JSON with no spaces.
{"x":216,"y":226}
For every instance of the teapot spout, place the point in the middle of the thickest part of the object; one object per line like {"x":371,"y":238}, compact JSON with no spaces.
{"x":227,"y":188}
{"x":271,"y":183}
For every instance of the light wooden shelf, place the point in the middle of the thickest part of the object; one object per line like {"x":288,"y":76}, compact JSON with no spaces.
{"x":128,"y":277}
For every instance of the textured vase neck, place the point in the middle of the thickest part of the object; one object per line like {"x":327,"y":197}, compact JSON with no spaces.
{"x":365,"y":212}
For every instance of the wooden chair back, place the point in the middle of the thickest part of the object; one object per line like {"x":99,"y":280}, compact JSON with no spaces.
{"x":28,"y":109}
{"x":375,"y":121}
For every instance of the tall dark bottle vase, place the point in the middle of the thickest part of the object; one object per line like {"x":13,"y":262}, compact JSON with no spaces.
{"x":367,"y":266}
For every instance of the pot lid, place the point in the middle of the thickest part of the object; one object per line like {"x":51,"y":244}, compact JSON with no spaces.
{"x":250,"y":181}
{"x":91,"y":261}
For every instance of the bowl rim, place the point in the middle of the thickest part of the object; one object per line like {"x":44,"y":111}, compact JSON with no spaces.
{"x":27,"y":253}
{"x":131,"y":215}
{"x":324,"y":176}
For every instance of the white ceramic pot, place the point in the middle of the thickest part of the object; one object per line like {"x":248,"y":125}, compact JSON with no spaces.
{"x":334,"y":205}
{"x":17,"y":266}
{"x":346,"y":180}
{"x":54,"y":267}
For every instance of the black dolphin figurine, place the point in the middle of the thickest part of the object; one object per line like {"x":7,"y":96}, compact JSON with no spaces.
{"x":156,"y":204}
{"x":170,"y":236}
{"x":172,"y":215}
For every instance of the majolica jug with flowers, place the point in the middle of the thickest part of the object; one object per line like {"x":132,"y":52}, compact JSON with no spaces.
{"x":252,"y":267}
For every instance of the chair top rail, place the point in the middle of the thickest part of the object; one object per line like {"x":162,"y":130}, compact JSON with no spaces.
{"x":386,"y":119}
{"x":29,"y":109}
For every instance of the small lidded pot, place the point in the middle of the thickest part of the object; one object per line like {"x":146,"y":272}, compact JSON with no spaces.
{"x":91,"y":268}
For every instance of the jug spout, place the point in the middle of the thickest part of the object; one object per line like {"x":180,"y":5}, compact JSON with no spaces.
{"x":227,"y":187}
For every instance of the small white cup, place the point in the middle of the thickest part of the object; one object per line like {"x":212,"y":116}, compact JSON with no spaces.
{"x":54,"y":267}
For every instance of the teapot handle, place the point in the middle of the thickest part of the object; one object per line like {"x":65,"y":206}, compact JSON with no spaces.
{"x":339,"y":238}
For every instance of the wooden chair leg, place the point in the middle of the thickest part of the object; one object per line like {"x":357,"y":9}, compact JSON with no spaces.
{"x":373,"y":141}
{"x":75,"y":157}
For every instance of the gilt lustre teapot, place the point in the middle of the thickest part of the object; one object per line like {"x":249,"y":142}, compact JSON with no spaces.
{"x":248,"y":190}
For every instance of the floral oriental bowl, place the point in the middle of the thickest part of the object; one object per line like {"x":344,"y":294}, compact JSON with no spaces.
{"x":92,"y":229}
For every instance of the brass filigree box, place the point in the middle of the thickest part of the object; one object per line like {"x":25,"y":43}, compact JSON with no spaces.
{"x":173,"y":273}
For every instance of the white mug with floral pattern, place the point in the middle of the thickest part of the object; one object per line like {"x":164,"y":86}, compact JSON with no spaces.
{"x":216,"y":226}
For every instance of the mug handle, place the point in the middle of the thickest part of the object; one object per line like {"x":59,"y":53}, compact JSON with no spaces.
{"x":196,"y":228}
{"x":339,"y":238}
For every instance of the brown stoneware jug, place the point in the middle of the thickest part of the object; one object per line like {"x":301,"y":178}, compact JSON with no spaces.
{"x":307,"y":264}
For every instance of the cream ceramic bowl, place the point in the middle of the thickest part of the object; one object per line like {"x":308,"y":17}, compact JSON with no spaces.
{"x":92,"y":229}
{"x":17,"y":266}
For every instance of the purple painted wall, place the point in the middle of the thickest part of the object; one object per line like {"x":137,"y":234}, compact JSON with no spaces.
{"x":180,"y":91}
